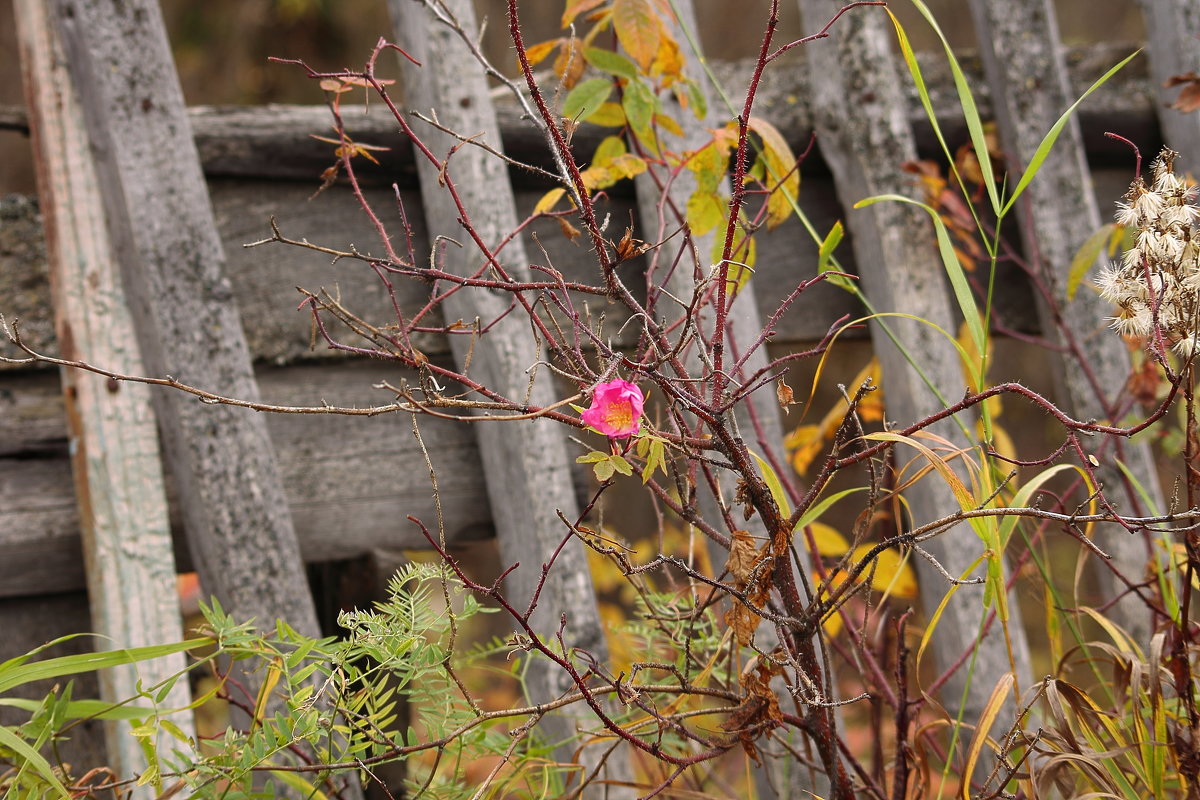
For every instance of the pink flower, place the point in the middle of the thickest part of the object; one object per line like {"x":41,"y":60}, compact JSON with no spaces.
{"x":616,"y":409}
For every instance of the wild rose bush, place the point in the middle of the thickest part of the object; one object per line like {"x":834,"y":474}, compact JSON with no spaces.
{"x":750,"y":609}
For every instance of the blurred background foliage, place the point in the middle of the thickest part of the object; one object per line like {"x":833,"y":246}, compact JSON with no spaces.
{"x":222,"y":46}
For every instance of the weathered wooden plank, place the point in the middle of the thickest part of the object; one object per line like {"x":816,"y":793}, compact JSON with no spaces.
{"x":129,"y":563}
{"x":274,"y":141}
{"x":161,"y":225}
{"x":350,"y":482}
{"x":1059,"y":212}
{"x":662,"y":213}
{"x":527,"y":466}
{"x":1173,"y":49}
{"x":865,"y":137}
{"x":264,"y":279}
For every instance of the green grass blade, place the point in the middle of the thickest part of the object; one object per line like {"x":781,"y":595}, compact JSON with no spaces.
{"x":87,"y":662}
{"x":954,"y":271}
{"x":969,"y":110}
{"x":1043,"y":149}
{"x":814,"y":513}
{"x":33,"y":759}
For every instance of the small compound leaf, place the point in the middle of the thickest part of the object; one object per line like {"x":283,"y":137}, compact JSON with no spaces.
{"x":705,"y":211}
{"x":608,"y":115}
{"x":609,"y":148}
{"x":610,"y":62}
{"x":575,"y":8}
{"x":638,"y":104}
{"x":638,"y":30}
{"x":621,"y":465}
{"x":586,"y":98}
{"x":570,"y":64}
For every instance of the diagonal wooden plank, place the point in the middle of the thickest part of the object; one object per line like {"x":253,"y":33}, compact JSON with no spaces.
{"x":129,"y":563}
{"x":1173,"y":48}
{"x":527,"y":466}
{"x":1021,"y":48}
{"x":661,"y":213}
{"x":864,"y":136}
{"x":161,"y":226}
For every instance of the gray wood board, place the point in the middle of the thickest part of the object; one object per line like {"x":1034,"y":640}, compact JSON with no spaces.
{"x":350,"y":482}
{"x":265,"y":278}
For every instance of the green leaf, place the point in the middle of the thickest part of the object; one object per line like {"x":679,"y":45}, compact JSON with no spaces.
{"x":88,"y":662}
{"x":705,"y":211}
{"x":1043,"y":149}
{"x":586,"y":98}
{"x":638,"y":104}
{"x":814,"y":513}
{"x":30,"y":758}
{"x":610,"y":62}
{"x":80,"y":709}
{"x":825,"y":255}
{"x":965,"y":99}
{"x":954,"y":271}
{"x":1086,"y":256}
{"x":609,"y":148}
{"x":774,"y":485}
{"x":697,"y":100}
{"x":657,"y":459}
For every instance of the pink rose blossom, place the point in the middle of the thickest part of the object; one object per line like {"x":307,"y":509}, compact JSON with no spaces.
{"x":616,"y":409}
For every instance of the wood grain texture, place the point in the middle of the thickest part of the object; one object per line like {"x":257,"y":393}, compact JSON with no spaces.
{"x":126,"y":536}
{"x":1173,"y":49}
{"x":161,"y":226}
{"x":865,"y":137}
{"x":527,"y":466}
{"x":350,"y":482}
{"x":1058,"y":213}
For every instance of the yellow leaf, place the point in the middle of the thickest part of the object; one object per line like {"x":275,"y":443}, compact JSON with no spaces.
{"x":986,"y":720}
{"x":549,"y":200}
{"x":668,"y":61}
{"x":828,"y":541}
{"x":832,"y":624}
{"x":608,"y":115}
{"x":892,"y":574}
{"x":609,"y":148}
{"x":570,"y":64}
{"x":668,"y":124}
{"x":782,"y":176}
{"x":804,"y":443}
{"x":538,"y":52}
{"x":575,"y":8}
{"x":638,"y":30}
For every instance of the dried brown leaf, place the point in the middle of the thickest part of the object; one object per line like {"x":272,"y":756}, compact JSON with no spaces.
{"x":1188,"y":99}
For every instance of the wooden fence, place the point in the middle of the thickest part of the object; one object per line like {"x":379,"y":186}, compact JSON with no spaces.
{"x":349,"y":483}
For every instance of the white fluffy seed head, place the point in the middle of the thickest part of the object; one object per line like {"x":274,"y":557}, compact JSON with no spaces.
{"x":1157,"y":282}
